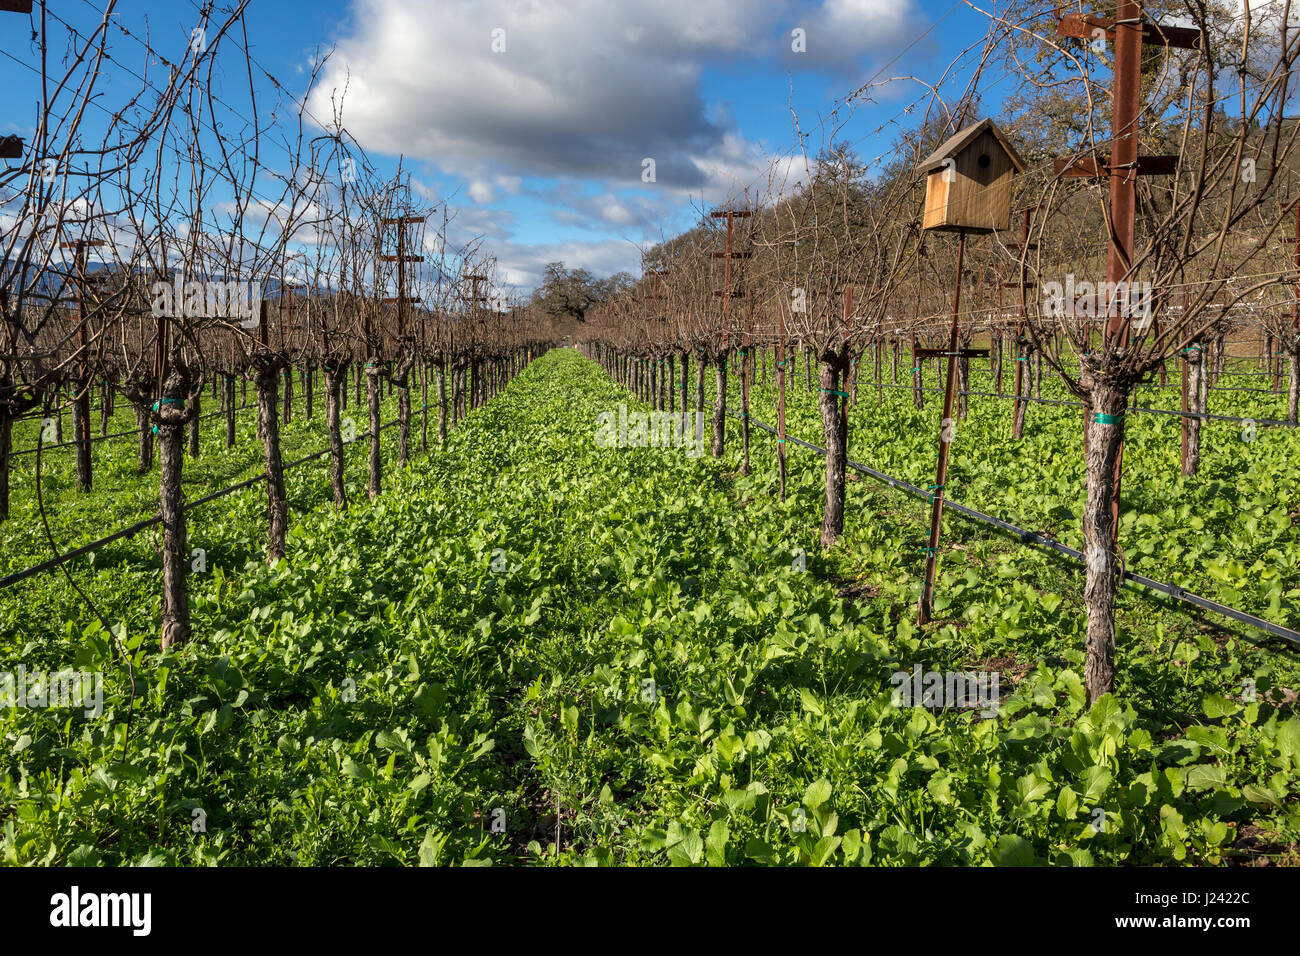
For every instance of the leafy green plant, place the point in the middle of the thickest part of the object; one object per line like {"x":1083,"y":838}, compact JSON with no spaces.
{"x":641,"y":676}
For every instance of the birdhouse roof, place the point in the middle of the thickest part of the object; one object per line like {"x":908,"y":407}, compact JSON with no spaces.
{"x":960,"y":140}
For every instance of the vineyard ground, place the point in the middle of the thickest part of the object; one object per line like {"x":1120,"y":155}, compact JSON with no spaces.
{"x":640,"y":673}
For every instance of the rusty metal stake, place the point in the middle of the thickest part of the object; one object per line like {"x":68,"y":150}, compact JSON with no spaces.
{"x":925,"y":606}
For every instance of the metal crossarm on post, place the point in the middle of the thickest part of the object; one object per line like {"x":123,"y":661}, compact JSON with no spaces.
{"x":1086,"y":167}
{"x":1082,"y":26}
{"x":958,"y":353}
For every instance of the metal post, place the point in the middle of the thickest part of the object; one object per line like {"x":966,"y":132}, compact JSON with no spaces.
{"x":1123,"y":193}
{"x":926,"y":604}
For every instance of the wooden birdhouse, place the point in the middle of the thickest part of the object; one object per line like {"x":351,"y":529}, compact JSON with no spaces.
{"x":968,"y":181}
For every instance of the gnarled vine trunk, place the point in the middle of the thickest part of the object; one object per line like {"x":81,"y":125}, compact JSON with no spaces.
{"x":744,"y":412}
{"x":833,"y":365}
{"x":81,"y":433}
{"x":230,"y":411}
{"x":1196,"y":398}
{"x":963,"y":378}
{"x":6,"y":448}
{"x":1105,"y":405}
{"x":699,"y":400}
{"x":401,"y":379}
{"x":918,"y":379}
{"x":144,"y":450}
{"x":105,"y":409}
{"x":178,"y":407}
{"x":442,"y":402}
{"x":266,"y":381}
{"x":685,"y":388}
{"x":424,"y":407}
{"x":288,"y":394}
{"x":193,"y":423}
{"x":720,"y":406}
{"x":334,"y":390}
{"x":372,"y":395}
{"x":1293,"y":381}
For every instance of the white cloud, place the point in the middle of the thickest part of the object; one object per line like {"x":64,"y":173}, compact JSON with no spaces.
{"x":582,"y":93}
{"x":472,"y":223}
{"x":481,"y":191}
{"x":584,"y":88}
{"x":624,"y":210}
{"x":522,"y":265}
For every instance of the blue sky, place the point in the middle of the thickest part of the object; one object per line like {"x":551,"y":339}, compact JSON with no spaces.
{"x":539,"y":141}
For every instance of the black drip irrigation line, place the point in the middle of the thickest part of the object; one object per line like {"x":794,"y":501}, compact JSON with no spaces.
{"x":1222,"y":388}
{"x":133,"y":431}
{"x":150,"y":522}
{"x":1213,"y":388}
{"x":1052,"y":373}
{"x":1031,"y":537}
{"x":1266,"y":422}
{"x":68,"y":403}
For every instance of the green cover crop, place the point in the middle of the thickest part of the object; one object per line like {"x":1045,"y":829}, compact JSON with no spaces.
{"x":533,"y":649}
